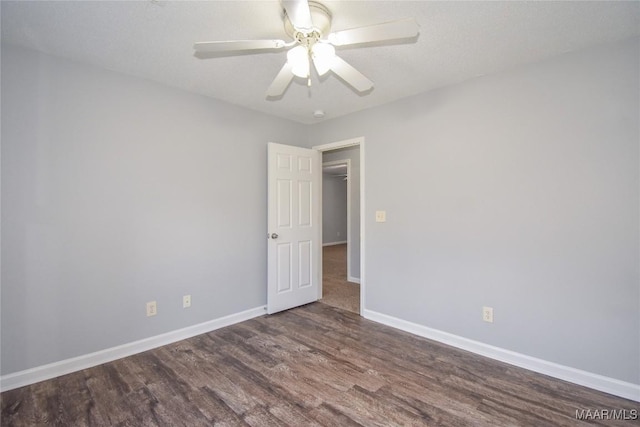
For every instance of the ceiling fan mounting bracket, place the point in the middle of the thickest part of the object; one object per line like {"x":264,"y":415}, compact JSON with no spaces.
{"x":307,"y":39}
{"x":321,"y":17}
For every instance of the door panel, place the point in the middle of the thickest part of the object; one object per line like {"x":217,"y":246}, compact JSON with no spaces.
{"x":284,"y":267}
{"x":284,"y":203}
{"x":305,"y":264}
{"x":304,"y":203}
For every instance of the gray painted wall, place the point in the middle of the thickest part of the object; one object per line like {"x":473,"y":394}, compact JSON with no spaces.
{"x":117,"y":191}
{"x":352,"y":153}
{"x":518,"y":191}
{"x":334,"y":209}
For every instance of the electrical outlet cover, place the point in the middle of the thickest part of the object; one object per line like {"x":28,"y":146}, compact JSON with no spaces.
{"x":487,"y":314}
{"x":152,"y":308}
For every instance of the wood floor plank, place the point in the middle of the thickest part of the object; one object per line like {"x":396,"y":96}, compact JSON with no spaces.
{"x":326,"y":415}
{"x":314,"y":365}
{"x":336,"y":290}
{"x":214,"y":408}
{"x":281,"y":376}
{"x":291,"y":415}
{"x":368,"y":409}
{"x":261,"y":417}
{"x":436,"y":410}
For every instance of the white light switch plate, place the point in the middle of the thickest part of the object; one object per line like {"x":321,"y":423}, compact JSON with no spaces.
{"x":381,"y":216}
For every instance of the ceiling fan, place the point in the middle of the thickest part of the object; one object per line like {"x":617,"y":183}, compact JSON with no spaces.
{"x":308,"y":23}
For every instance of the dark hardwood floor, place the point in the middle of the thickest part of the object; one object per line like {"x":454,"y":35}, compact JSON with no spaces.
{"x":314,"y":365}
{"x":336,"y":290}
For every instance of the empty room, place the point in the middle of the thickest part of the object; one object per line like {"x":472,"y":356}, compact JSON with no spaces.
{"x":435,"y":217}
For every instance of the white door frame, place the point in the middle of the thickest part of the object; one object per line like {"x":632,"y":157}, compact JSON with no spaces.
{"x":359,"y":141}
{"x":346,"y":162}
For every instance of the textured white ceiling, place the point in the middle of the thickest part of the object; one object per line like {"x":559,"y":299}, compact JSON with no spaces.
{"x":457,"y":41}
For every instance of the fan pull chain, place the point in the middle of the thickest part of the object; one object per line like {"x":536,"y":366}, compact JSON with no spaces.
{"x":309,"y":59}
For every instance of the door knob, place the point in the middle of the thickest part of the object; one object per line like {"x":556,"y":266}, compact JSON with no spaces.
{"x":274,"y":235}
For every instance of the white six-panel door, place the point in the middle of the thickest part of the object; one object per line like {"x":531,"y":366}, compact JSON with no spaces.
{"x":294,"y":177}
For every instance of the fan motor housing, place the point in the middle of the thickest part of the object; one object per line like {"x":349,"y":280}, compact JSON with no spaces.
{"x":320,"y":16}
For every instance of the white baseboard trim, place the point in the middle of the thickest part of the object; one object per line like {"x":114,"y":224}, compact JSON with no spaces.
{"x":566,"y":373}
{"x":334,"y":243}
{"x":63,"y":367}
{"x":353,"y":279}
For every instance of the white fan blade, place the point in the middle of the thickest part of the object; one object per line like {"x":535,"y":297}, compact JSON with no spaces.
{"x":281,"y":82}
{"x":350,"y":75}
{"x":299,"y":14}
{"x":405,"y":28}
{"x":238,"y":45}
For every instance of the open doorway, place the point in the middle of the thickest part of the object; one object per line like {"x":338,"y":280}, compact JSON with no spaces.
{"x":341,"y":212}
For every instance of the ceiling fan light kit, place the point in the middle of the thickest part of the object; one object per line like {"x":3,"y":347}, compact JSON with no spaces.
{"x":323,"y":55}
{"x":298,"y":58}
{"x":307,"y":22}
